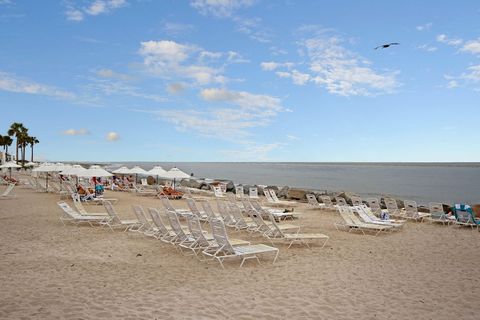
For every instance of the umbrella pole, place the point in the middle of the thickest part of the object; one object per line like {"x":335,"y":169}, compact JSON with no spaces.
{"x":10,"y":173}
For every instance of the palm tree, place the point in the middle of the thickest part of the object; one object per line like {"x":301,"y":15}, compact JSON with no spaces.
{"x":23,"y":139}
{"x":7,"y":141}
{"x":17,"y":129}
{"x":32,"y":141}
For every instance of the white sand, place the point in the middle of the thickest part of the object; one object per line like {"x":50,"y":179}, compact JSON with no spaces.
{"x":48,"y":271}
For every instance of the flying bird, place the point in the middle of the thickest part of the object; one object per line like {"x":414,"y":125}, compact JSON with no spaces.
{"x":384,"y":46}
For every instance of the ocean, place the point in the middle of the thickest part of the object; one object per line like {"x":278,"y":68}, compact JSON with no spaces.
{"x":422,"y":182}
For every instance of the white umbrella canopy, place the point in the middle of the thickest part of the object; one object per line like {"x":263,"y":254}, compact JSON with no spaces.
{"x":95,"y":171}
{"x":122,"y":170}
{"x":31,"y":164}
{"x":137,"y":170}
{"x":74,"y":170}
{"x":10,"y":165}
{"x":175,"y":174}
{"x":157,"y":171}
{"x":50,"y":167}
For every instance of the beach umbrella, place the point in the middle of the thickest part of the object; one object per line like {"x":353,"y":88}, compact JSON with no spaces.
{"x":31,"y":164}
{"x":137,"y":170}
{"x":95,"y":171}
{"x":122,"y":170}
{"x":10,"y":165}
{"x":74,"y":170}
{"x":50,"y":167}
{"x":175,"y":174}
{"x":157,"y":171}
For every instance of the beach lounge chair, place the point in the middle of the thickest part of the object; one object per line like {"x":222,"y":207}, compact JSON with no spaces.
{"x":116,"y":222}
{"x":351,"y":222}
{"x":225,"y":213}
{"x":297,"y":237}
{"x":367,"y":218}
{"x":81,"y":209}
{"x":207,"y":208}
{"x":372,"y":216}
{"x":392,"y":207}
{"x":411,"y":211}
{"x":160,"y":230}
{"x":169,"y":207}
{"x":7,"y":194}
{"x":464,"y":216}
{"x":438,"y":215}
{"x":340,"y":201}
{"x":253,"y":193}
{"x":327,"y":201}
{"x":146,"y":226}
{"x":194,"y":209}
{"x":239,"y":193}
{"x":279,"y":214}
{"x":70,"y":215}
{"x":374,"y":205}
{"x":313,"y":203}
{"x":356,"y":201}
{"x":228,"y":251}
{"x":265,"y":227}
{"x":241,"y":222}
{"x":281,"y":202}
{"x":182,"y":239}
{"x":144,"y":192}
{"x":217,"y":190}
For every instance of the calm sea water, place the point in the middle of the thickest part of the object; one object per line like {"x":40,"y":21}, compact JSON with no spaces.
{"x":423,"y":182}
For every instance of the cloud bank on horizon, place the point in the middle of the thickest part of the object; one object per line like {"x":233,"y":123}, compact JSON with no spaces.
{"x":242,"y":80}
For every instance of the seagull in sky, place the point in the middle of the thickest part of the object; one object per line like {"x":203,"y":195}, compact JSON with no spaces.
{"x":384,"y":46}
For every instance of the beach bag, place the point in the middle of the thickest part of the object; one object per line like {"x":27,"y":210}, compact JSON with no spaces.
{"x":384,"y":216}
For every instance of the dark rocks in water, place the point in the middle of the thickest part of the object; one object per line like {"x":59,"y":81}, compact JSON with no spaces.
{"x":246,"y":188}
{"x":230,"y":186}
{"x":283,"y":192}
{"x":191,"y":183}
{"x":348,"y":197}
{"x":274,"y":188}
{"x":296,"y":194}
{"x":205,"y":186}
{"x":423,"y":209}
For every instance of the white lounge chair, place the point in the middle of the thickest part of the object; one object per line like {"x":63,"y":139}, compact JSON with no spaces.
{"x":239,"y":192}
{"x":70,"y":215}
{"x":217,"y":190}
{"x":327,"y":201}
{"x":161,"y":231}
{"x":411,"y":211}
{"x":297,"y":237}
{"x":392,"y":208}
{"x":340,"y":201}
{"x":438,"y":215}
{"x":313,"y":203}
{"x":228,"y":251}
{"x":81,"y":209}
{"x":351,"y":222}
{"x":253,"y":193}
{"x":7,"y":194}
{"x":116,"y":222}
{"x":374,"y":205}
{"x":194,"y":209}
{"x":362,"y":213}
{"x":356,"y":201}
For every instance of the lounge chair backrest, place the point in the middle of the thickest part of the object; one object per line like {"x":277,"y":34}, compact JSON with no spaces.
{"x":157,"y":221}
{"x":268,"y":195}
{"x":196,"y":231}
{"x":224,"y":212}
{"x":257,"y":207}
{"x":218,"y":192}
{"x":193,"y":207}
{"x":374,"y":204}
{"x":340,"y":201}
{"x":8,"y":190}
{"x":78,"y":204}
{"x":166,"y":203}
{"x":436,"y":210}
{"x":144,"y":182}
{"x":111,"y":211}
{"x":223,"y":187}
{"x":239,"y":193}
{"x":327,"y":201}
{"x":411,"y":209}
{"x":208,"y":210}
{"x":363,"y":214}
{"x":257,"y":218}
{"x":253,"y":193}
{"x":463,"y":216}
{"x":312,"y":200}
{"x":351,"y":214}
{"x":221,"y":237}
{"x":139,"y":213}
{"x":246,"y":205}
{"x":345,"y":215}
{"x":276,"y":229}
{"x":175,"y":224}
{"x":356,"y":201}
{"x":67,"y":210}
{"x":274,"y":195}
{"x":391,"y":205}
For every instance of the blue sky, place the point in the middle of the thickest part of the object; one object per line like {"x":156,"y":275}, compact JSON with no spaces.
{"x":243,"y":80}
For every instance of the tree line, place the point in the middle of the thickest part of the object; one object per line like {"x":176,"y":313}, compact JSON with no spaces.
{"x":22,"y":140}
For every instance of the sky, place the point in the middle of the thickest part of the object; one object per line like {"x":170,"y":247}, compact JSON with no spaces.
{"x":243,"y":80}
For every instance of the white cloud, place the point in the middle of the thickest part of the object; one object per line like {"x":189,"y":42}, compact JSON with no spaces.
{"x":428,"y":48}
{"x":424,"y":27}
{"x":171,"y":60}
{"x":297,"y":77}
{"x":472,"y":46}
{"x":175,"y":29}
{"x":291,"y":137}
{"x":12,"y":83}
{"x":337,"y":69}
{"x":443,"y":38}
{"x":109,"y":86}
{"x":95,"y":8}
{"x":5,"y":2}
{"x":74,"y":132}
{"x":469,"y":78}
{"x":220,"y":8}
{"x":241,"y":111}
{"x":108,"y":73}
{"x":271,"y":65}
{"x":112,"y":136}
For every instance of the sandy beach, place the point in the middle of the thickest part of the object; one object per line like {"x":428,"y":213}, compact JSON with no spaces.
{"x":49,"y":271}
